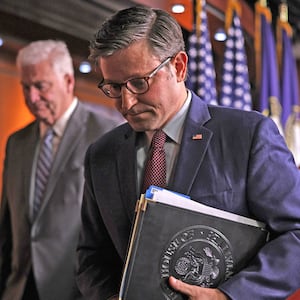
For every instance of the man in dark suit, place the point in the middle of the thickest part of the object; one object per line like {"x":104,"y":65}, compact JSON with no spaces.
{"x":225,"y":158}
{"x":37,"y":248}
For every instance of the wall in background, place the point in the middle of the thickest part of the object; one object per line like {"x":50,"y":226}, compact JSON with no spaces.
{"x":13,"y":111}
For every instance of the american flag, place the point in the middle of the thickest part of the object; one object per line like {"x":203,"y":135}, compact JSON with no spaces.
{"x":201,"y":70}
{"x":267,"y":65}
{"x":290,"y":117}
{"x":235,"y":90}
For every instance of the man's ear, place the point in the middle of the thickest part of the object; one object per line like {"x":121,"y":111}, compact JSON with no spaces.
{"x":70,"y":82}
{"x":180,"y":62}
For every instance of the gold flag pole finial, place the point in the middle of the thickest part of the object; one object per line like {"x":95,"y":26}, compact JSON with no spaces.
{"x":283,"y":12}
{"x":263,"y":3}
{"x":199,"y":5}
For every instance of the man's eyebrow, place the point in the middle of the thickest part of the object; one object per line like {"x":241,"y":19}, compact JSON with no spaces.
{"x":134,"y":76}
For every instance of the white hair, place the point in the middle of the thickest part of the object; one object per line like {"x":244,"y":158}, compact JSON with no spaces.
{"x":56,"y":52}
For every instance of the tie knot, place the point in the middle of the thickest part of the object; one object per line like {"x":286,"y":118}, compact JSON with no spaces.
{"x":48,"y":138}
{"x":159,"y":139}
{"x":49,"y":134}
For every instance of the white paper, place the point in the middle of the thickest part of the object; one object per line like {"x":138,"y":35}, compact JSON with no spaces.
{"x":174,"y":199}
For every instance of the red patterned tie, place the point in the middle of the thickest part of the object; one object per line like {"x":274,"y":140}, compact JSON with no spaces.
{"x":155,"y":170}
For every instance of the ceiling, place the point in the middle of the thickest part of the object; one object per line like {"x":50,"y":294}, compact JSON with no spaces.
{"x":75,"y":21}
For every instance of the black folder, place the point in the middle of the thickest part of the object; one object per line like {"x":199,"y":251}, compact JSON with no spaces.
{"x":174,"y":235}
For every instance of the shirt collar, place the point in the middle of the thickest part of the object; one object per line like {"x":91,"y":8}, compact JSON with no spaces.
{"x":61,"y":123}
{"x":174,"y":127}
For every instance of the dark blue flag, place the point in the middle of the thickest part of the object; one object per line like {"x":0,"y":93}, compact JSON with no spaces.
{"x":289,"y":85}
{"x":267,"y":66}
{"x":289,"y":79}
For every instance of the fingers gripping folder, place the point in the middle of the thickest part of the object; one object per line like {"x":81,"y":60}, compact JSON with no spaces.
{"x":176,"y":236}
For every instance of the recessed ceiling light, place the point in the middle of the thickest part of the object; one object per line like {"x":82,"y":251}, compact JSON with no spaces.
{"x":220,"y":35}
{"x":178,"y":8}
{"x":85,"y":67}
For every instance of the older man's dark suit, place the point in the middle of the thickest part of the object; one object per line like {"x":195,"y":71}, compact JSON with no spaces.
{"x":48,"y":244}
{"x":241,"y":165}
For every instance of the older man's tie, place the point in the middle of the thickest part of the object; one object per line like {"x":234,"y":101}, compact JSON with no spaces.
{"x":43,"y":169}
{"x":155,"y":170}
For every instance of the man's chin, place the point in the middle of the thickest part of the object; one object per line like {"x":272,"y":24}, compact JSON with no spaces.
{"x":142,"y":126}
{"x":48,"y":120}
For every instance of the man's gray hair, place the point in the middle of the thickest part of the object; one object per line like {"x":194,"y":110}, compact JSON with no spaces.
{"x":56,"y":52}
{"x":161,"y":31}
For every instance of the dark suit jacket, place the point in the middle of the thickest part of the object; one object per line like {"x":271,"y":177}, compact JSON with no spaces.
{"x":241,"y":165}
{"x":48,"y":245}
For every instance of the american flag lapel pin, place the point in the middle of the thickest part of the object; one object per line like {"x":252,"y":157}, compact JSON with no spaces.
{"x":197,"y":136}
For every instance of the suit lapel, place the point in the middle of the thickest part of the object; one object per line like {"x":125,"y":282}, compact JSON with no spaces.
{"x":28,"y":150}
{"x":126,"y":161}
{"x":118,"y":211}
{"x":194,"y":144}
{"x":71,"y":138}
{"x":195,"y":141}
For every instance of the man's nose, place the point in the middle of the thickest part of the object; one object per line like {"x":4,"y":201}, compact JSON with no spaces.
{"x":33,"y":94}
{"x":128,"y":99}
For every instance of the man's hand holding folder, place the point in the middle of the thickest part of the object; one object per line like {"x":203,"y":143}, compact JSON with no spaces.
{"x":180,"y":245}
{"x":195,"y":292}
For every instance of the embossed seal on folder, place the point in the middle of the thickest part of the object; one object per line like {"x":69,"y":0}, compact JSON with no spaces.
{"x":198,"y":255}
